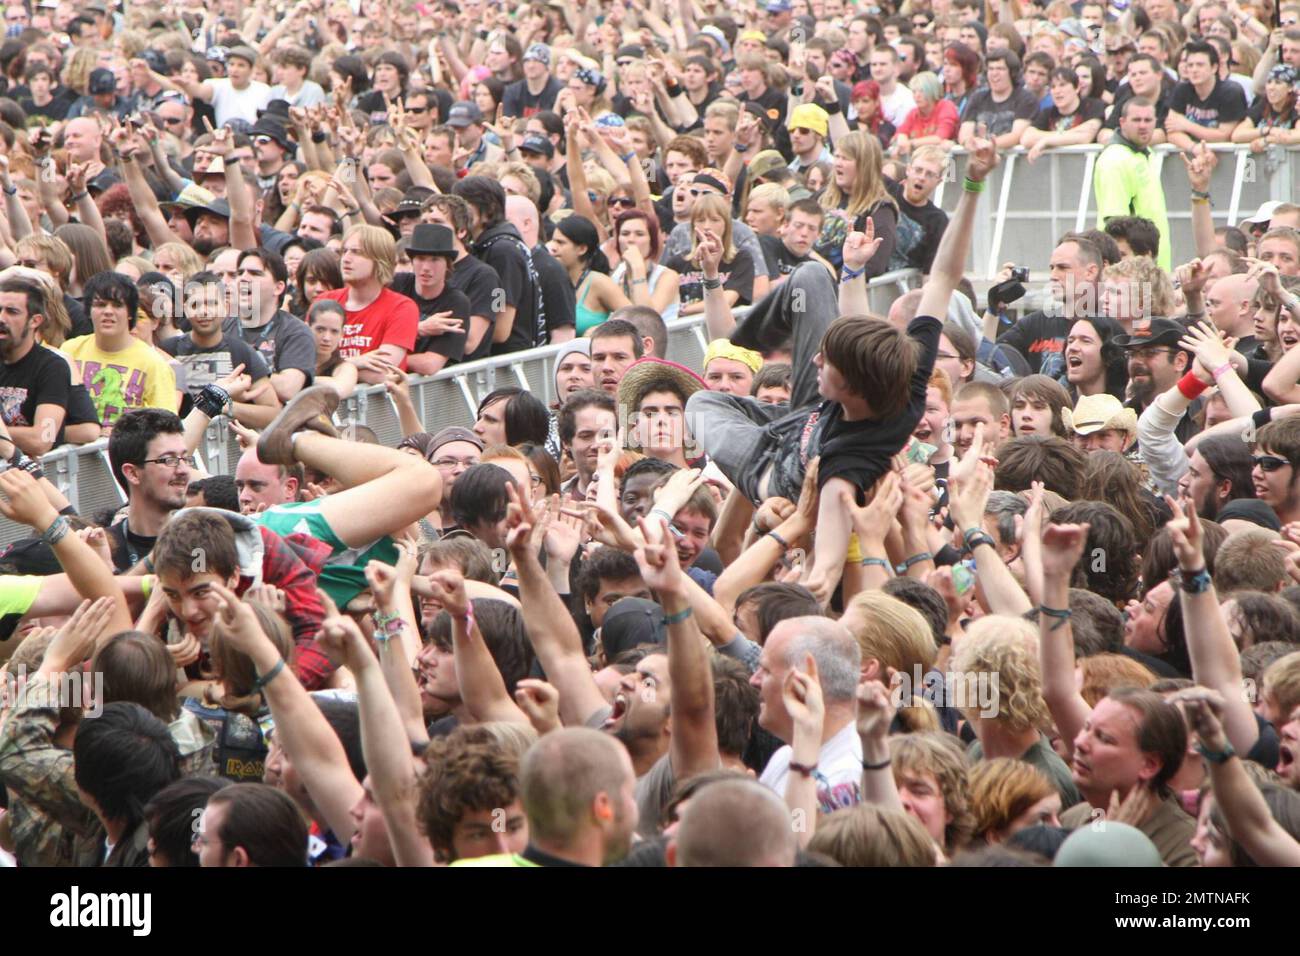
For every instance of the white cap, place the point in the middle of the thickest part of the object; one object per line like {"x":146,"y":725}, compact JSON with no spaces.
{"x":1264,"y":213}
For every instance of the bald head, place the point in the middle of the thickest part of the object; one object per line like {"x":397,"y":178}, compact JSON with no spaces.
{"x":576,"y":784}
{"x":838,"y":656}
{"x":903,"y":311}
{"x":1227,"y":302}
{"x":735,"y":823}
{"x":1237,"y":287}
{"x":82,"y":137}
{"x":522,"y":214}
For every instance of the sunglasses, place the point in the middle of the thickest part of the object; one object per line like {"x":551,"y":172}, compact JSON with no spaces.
{"x":1268,"y":462}
{"x":173,"y":121}
{"x":697,"y":192}
{"x":417,"y":109}
{"x":622,"y":201}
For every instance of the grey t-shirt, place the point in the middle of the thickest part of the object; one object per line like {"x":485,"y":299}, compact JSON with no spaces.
{"x":1042,"y":756}
{"x":284,"y":342}
{"x":653,"y":791}
{"x":679,"y":243}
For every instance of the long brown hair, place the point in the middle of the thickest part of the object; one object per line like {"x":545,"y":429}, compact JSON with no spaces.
{"x":1112,"y":478}
{"x":868,"y":182}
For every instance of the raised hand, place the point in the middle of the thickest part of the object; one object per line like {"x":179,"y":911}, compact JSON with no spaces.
{"x":708,"y":253}
{"x":804,"y":702}
{"x":26,"y":502}
{"x":540,"y":703}
{"x":983,"y":157}
{"x":1200,"y":162}
{"x":185,"y":652}
{"x":447,"y":587}
{"x":1184,"y":531}
{"x":875,"y":710}
{"x":873,"y":520}
{"x":860,"y":247}
{"x":657,"y":558}
{"x":1204,"y":709}
{"x":1062,"y":547}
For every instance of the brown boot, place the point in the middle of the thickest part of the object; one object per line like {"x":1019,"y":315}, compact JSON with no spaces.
{"x":310,"y":408}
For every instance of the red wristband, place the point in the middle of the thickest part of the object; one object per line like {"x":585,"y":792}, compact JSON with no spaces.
{"x":1191,"y":386}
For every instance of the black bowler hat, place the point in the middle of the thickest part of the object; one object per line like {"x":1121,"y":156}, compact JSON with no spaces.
{"x":431,"y":239}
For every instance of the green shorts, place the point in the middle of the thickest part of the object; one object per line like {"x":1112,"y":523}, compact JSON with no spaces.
{"x":344,"y":575}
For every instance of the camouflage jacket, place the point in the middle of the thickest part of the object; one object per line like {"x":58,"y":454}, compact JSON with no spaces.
{"x":49,"y":824}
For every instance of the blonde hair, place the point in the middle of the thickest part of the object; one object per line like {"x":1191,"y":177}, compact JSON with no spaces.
{"x":863,"y":149}
{"x":599,"y":180}
{"x":1102,"y":673}
{"x":867,"y":835}
{"x":939,"y":754}
{"x":772,"y":195}
{"x":1155,"y":291}
{"x":1006,"y":648}
{"x":58,"y":257}
{"x":890,"y":631}
{"x":378,"y":246}
{"x":1001,"y":790}
{"x":524,"y":173}
{"x":189,"y":261}
{"x":1282,"y":683}
{"x":714,"y":207}
{"x":514,"y":739}
{"x":77,"y":68}
{"x":54,"y":330}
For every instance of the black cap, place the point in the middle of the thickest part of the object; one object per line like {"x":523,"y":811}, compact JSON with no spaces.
{"x":1157,"y":332}
{"x":630,"y":622}
{"x":156,"y":60}
{"x":431,"y":239}
{"x":268,"y":124}
{"x":101,"y":81}
{"x":537,"y":143}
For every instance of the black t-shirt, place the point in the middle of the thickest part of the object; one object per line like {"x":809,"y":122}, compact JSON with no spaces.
{"x":1125,"y":93}
{"x":374,"y":104}
{"x":774,"y":103}
{"x":919,"y":230}
{"x":1225,"y":104}
{"x":780,"y":260}
{"x":503,"y":249}
{"x":55,"y":110}
{"x":450,"y":344}
{"x":859,"y":452}
{"x":1053,"y":120}
{"x":479,"y":282}
{"x":999,"y":117}
{"x":737,"y":276}
{"x":128,"y":548}
{"x":518,"y":101}
{"x":1040,"y":338}
{"x":557,"y":291}
{"x":40,"y":377}
{"x":284,"y":342}
{"x":1274,"y":121}
{"x":203,"y":365}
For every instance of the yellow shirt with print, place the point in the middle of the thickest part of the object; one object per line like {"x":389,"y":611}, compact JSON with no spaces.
{"x":138,"y":376}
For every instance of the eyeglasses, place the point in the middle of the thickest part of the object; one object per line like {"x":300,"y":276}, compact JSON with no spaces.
{"x":167,"y":461}
{"x":454,"y":462}
{"x":1268,"y":462}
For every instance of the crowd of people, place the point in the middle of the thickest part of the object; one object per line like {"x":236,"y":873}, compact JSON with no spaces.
{"x":986,"y":581}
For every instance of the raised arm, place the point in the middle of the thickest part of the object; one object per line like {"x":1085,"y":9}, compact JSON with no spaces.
{"x":804,"y":702}
{"x":316,"y":751}
{"x":968,"y":493}
{"x":27,"y":504}
{"x":950,"y":259}
{"x":1247,"y":817}
{"x":1061,"y":546}
{"x":551,"y":630}
{"x":399,"y":644}
{"x":1216,"y":662}
{"x":693,"y":742}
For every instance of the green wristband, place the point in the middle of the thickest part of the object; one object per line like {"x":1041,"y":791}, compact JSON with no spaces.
{"x":971,"y":186}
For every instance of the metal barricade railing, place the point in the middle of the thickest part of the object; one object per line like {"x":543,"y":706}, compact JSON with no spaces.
{"x":1027,"y":206}
{"x":451,"y":397}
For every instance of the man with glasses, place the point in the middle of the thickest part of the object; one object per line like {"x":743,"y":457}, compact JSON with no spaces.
{"x":1155,"y":364}
{"x":537,"y":90}
{"x":809,"y":127}
{"x":178,"y":121}
{"x":920,"y":222}
{"x":453,"y":451}
{"x":148,"y":457}
{"x":1275,"y":475}
{"x":420,"y":109}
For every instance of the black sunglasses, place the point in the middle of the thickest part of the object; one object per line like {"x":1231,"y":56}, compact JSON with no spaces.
{"x":1268,"y":462}
{"x":623,"y":201}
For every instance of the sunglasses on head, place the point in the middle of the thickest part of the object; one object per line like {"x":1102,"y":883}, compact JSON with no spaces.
{"x":1268,"y":462}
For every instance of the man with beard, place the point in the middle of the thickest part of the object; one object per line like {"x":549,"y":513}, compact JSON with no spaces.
{"x":920,"y":222}
{"x":148,"y":458}
{"x":1218,"y":471}
{"x":34,"y":382}
{"x":1155,"y":364}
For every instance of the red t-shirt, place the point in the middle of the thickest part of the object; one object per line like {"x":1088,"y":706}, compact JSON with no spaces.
{"x":390,"y":320}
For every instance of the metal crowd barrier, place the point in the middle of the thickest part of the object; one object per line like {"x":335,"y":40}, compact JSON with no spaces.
{"x":1027,"y":206}
{"x":451,"y":397}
